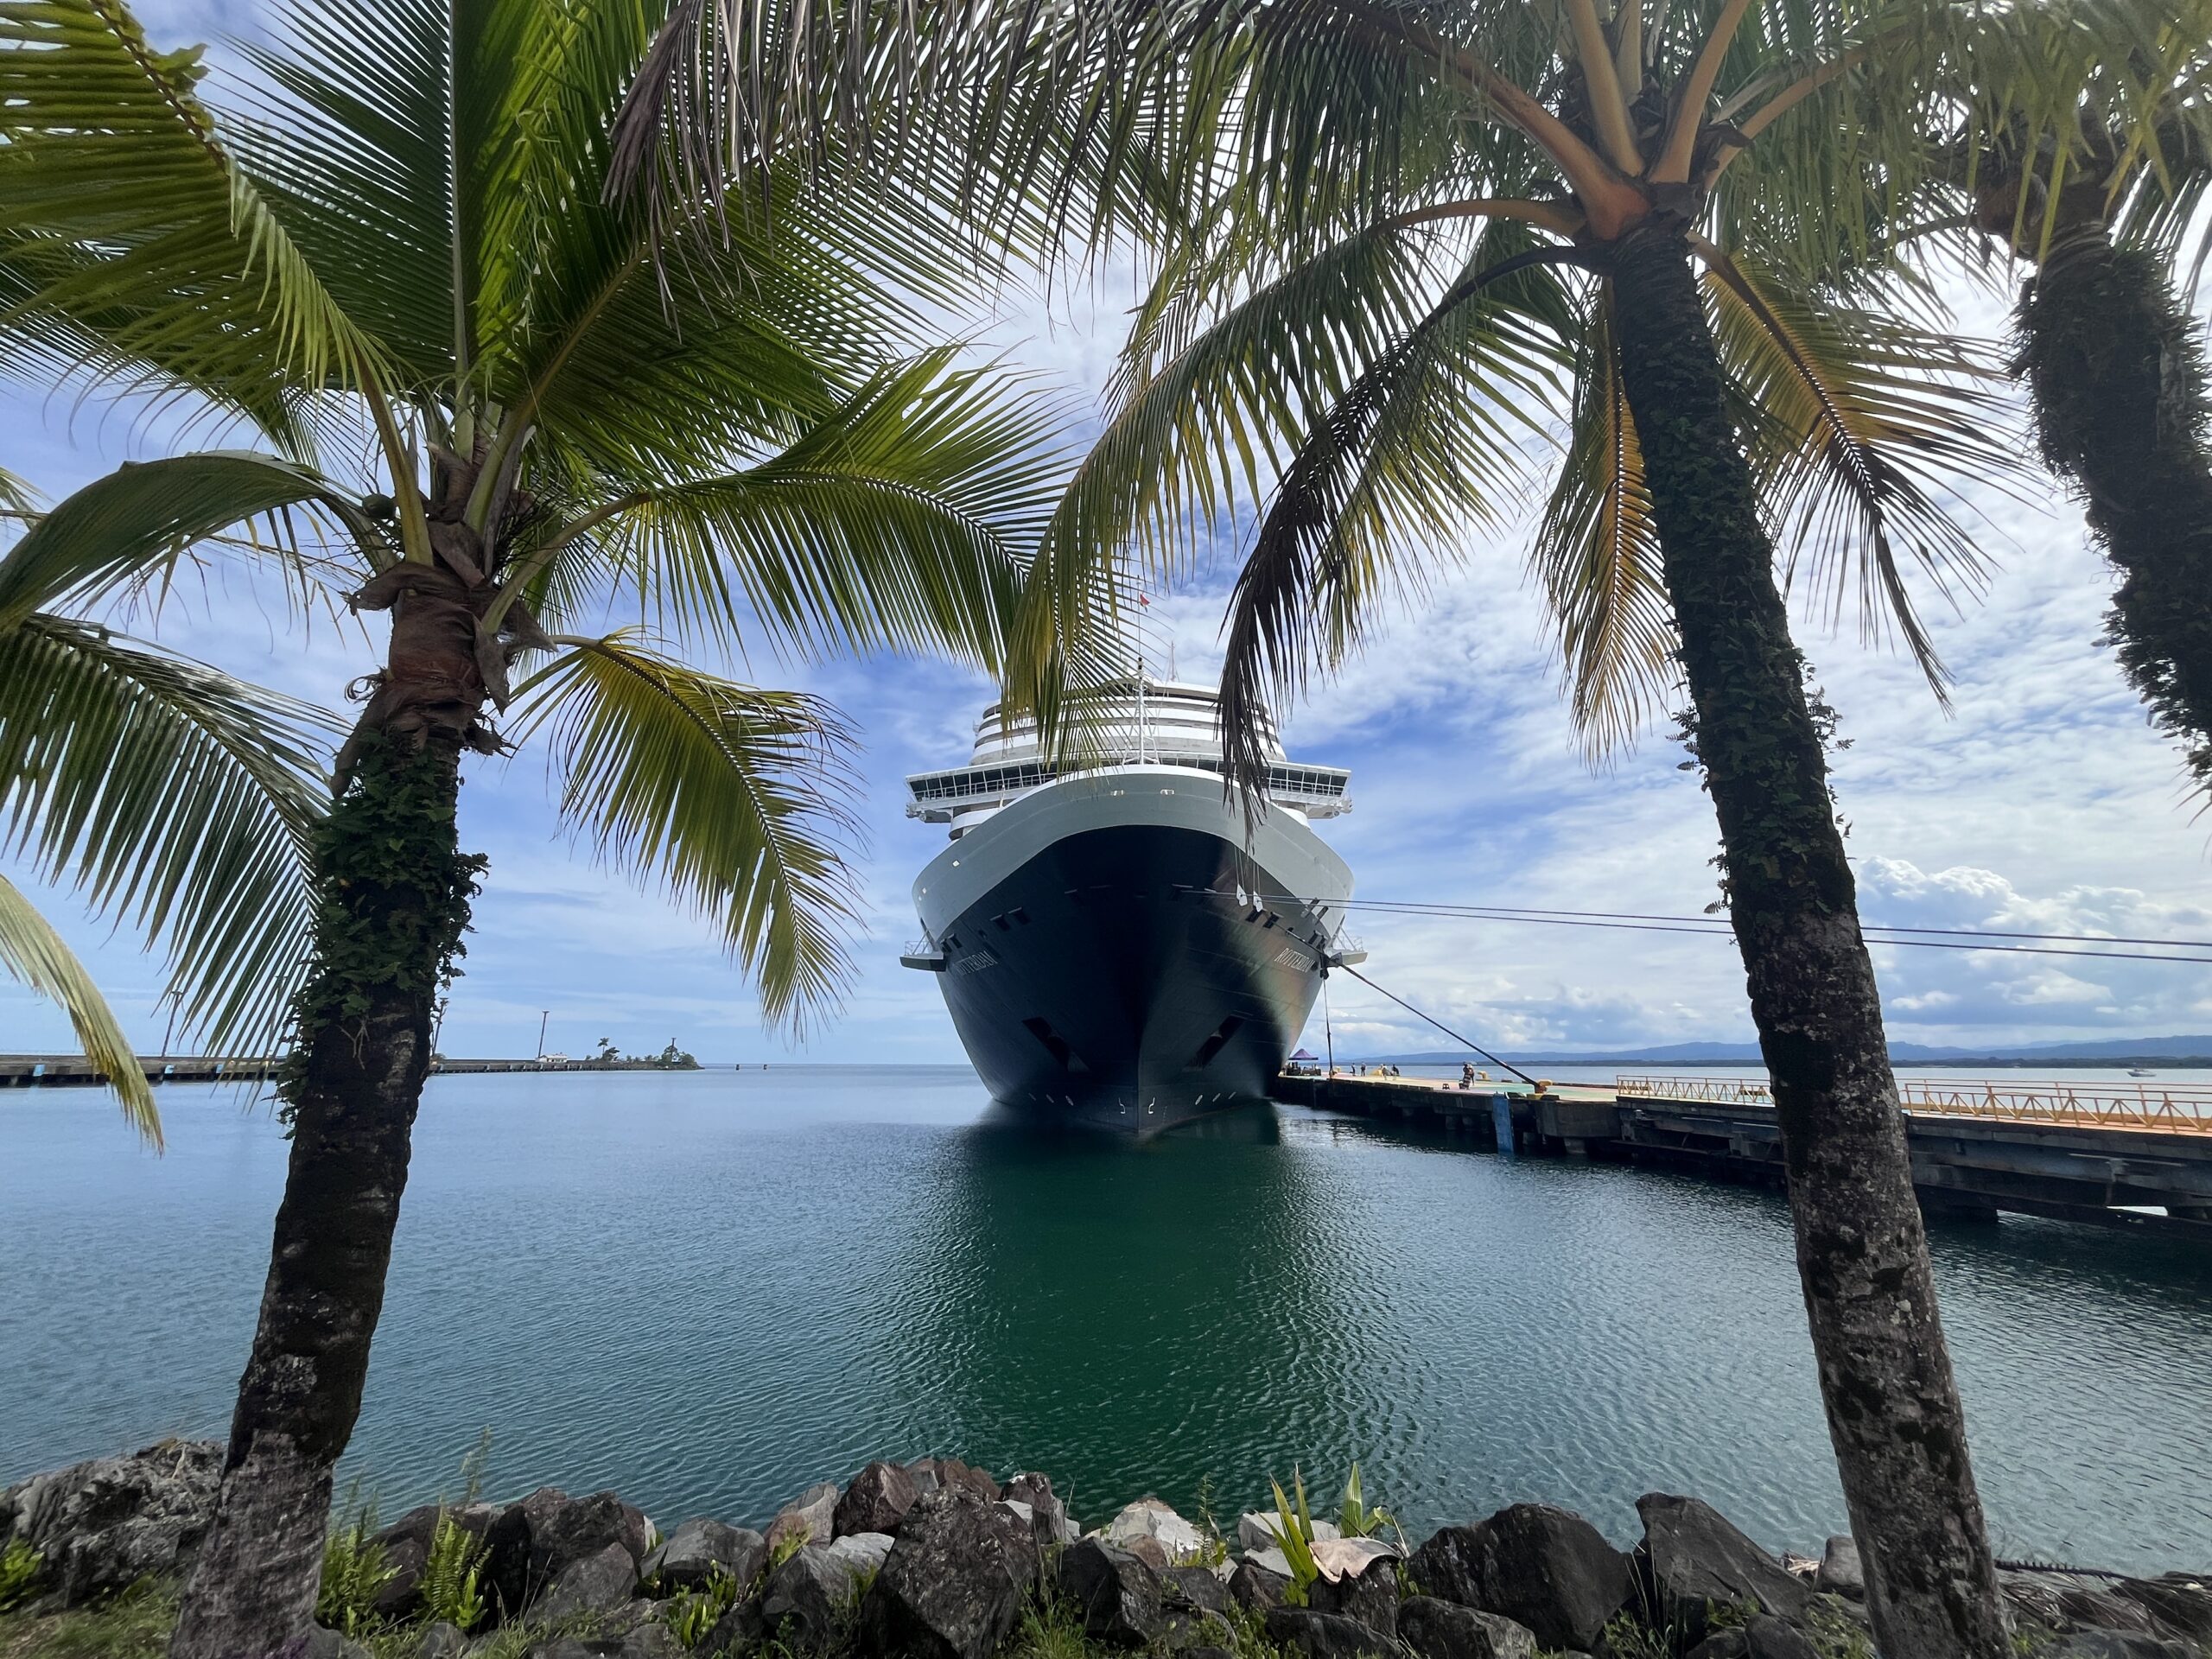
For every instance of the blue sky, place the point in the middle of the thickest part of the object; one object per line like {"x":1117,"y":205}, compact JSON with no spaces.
{"x":2042,"y":802}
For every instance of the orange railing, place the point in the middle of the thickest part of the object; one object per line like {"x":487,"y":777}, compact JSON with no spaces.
{"x":2179,"y":1107}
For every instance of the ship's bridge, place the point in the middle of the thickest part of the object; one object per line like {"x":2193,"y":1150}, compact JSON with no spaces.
{"x":1143,"y":721}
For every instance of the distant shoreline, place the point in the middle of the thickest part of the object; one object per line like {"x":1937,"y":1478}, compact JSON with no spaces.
{"x":1693,"y":1062}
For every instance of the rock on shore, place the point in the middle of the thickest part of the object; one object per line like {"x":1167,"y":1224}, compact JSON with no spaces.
{"x":935,"y":1558}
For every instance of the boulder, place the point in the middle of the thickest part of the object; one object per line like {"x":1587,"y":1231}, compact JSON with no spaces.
{"x":1435,"y":1629}
{"x":1049,"y":1516}
{"x":1763,"y":1637}
{"x":651,"y":1640}
{"x":1544,"y":1567}
{"x":1370,"y":1597}
{"x":607,"y":1579}
{"x":940,"y":1474}
{"x":742,"y":1629}
{"x":1695,"y":1557}
{"x":2118,"y":1644}
{"x":1323,"y":1636}
{"x":442,"y":1641}
{"x":1117,"y":1595}
{"x":690,"y":1556}
{"x":102,"y":1525}
{"x":1255,"y":1589}
{"x":1260,"y":1529}
{"x":1349,"y":1558}
{"x":862,"y":1553}
{"x":1148,"y":1551}
{"x":534,"y":1541}
{"x":1199,"y":1586}
{"x":1841,"y":1573}
{"x":406,"y":1545}
{"x":1185,"y":1628}
{"x":811,"y":1517}
{"x":954,"y":1585}
{"x":325,"y":1644}
{"x":876,"y":1501}
{"x":1150,"y":1518}
{"x":806,"y":1596}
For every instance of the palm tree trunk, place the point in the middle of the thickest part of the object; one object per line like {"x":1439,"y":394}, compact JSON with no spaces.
{"x":1885,"y":1378}
{"x":2117,"y":382}
{"x":393,"y":899}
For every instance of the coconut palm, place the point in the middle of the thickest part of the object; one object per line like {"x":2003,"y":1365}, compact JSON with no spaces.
{"x":493,"y":416}
{"x":174,"y":798}
{"x":1383,"y":229}
{"x":2080,"y":141}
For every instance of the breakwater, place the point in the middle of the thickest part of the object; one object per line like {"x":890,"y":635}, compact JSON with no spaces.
{"x":939,"y":1559}
{"x":75,"y":1071}
{"x":2117,"y":1155}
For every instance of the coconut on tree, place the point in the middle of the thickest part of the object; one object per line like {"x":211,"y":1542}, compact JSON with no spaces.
{"x":386,"y":261}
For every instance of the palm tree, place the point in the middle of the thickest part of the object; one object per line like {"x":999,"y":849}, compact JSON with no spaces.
{"x":1383,"y":229}
{"x":2061,"y":123}
{"x":392,"y":245}
{"x":173,"y":797}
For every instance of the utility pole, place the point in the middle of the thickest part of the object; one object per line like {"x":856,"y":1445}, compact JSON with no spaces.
{"x":542,"y":1018}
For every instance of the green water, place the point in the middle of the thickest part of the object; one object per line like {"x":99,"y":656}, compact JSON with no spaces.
{"x":710,"y":1290}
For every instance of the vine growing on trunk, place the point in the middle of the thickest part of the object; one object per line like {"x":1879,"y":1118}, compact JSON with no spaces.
{"x":391,"y":894}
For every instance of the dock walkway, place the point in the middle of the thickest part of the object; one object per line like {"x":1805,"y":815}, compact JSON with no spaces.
{"x":2119,"y":1155}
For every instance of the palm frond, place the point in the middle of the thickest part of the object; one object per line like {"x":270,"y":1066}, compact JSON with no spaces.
{"x":131,"y":526}
{"x":738,"y":797}
{"x":1852,"y":420}
{"x":33,"y":952}
{"x":173,"y":797}
{"x":1199,"y":436}
{"x":1414,"y":455}
{"x":898,"y":522}
{"x":133,"y":248}
{"x":1596,"y":556}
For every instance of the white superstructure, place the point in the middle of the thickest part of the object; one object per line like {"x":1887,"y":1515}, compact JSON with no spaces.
{"x":1145,"y":722}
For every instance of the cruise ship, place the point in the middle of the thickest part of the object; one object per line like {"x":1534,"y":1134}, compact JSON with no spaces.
{"x":1118,"y":946}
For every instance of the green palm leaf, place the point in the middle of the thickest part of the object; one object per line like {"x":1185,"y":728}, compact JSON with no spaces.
{"x":132,"y":246}
{"x":1597,"y":555}
{"x":738,"y":795}
{"x":897,"y":523}
{"x":1853,"y":421}
{"x":32,"y":951}
{"x":131,"y":526}
{"x":172,"y":795}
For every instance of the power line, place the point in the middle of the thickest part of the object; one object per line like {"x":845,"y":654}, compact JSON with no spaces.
{"x":1508,"y":912}
{"x":1953,"y":938}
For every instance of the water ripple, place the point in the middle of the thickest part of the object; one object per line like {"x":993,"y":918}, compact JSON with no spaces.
{"x":708,"y":1291}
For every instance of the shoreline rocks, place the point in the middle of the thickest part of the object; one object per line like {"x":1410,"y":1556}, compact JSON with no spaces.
{"x":935,"y":1558}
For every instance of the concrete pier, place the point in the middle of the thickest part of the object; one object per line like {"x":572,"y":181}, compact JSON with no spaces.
{"x":2042,"y":1150}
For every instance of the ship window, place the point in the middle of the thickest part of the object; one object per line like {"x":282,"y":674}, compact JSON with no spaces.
{"x":1000,"y":921}
{"x":1271,"y":919}
{"x":1214,"y":1044}
{"x":1019,"y":915}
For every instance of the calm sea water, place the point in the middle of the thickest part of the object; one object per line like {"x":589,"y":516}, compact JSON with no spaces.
{"x":708,"y":1290}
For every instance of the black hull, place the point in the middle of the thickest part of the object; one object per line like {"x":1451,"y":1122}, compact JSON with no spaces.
{"x":1103,"y":983}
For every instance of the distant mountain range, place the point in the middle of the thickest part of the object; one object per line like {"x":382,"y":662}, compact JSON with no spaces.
{"x":2118,"y":1050}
